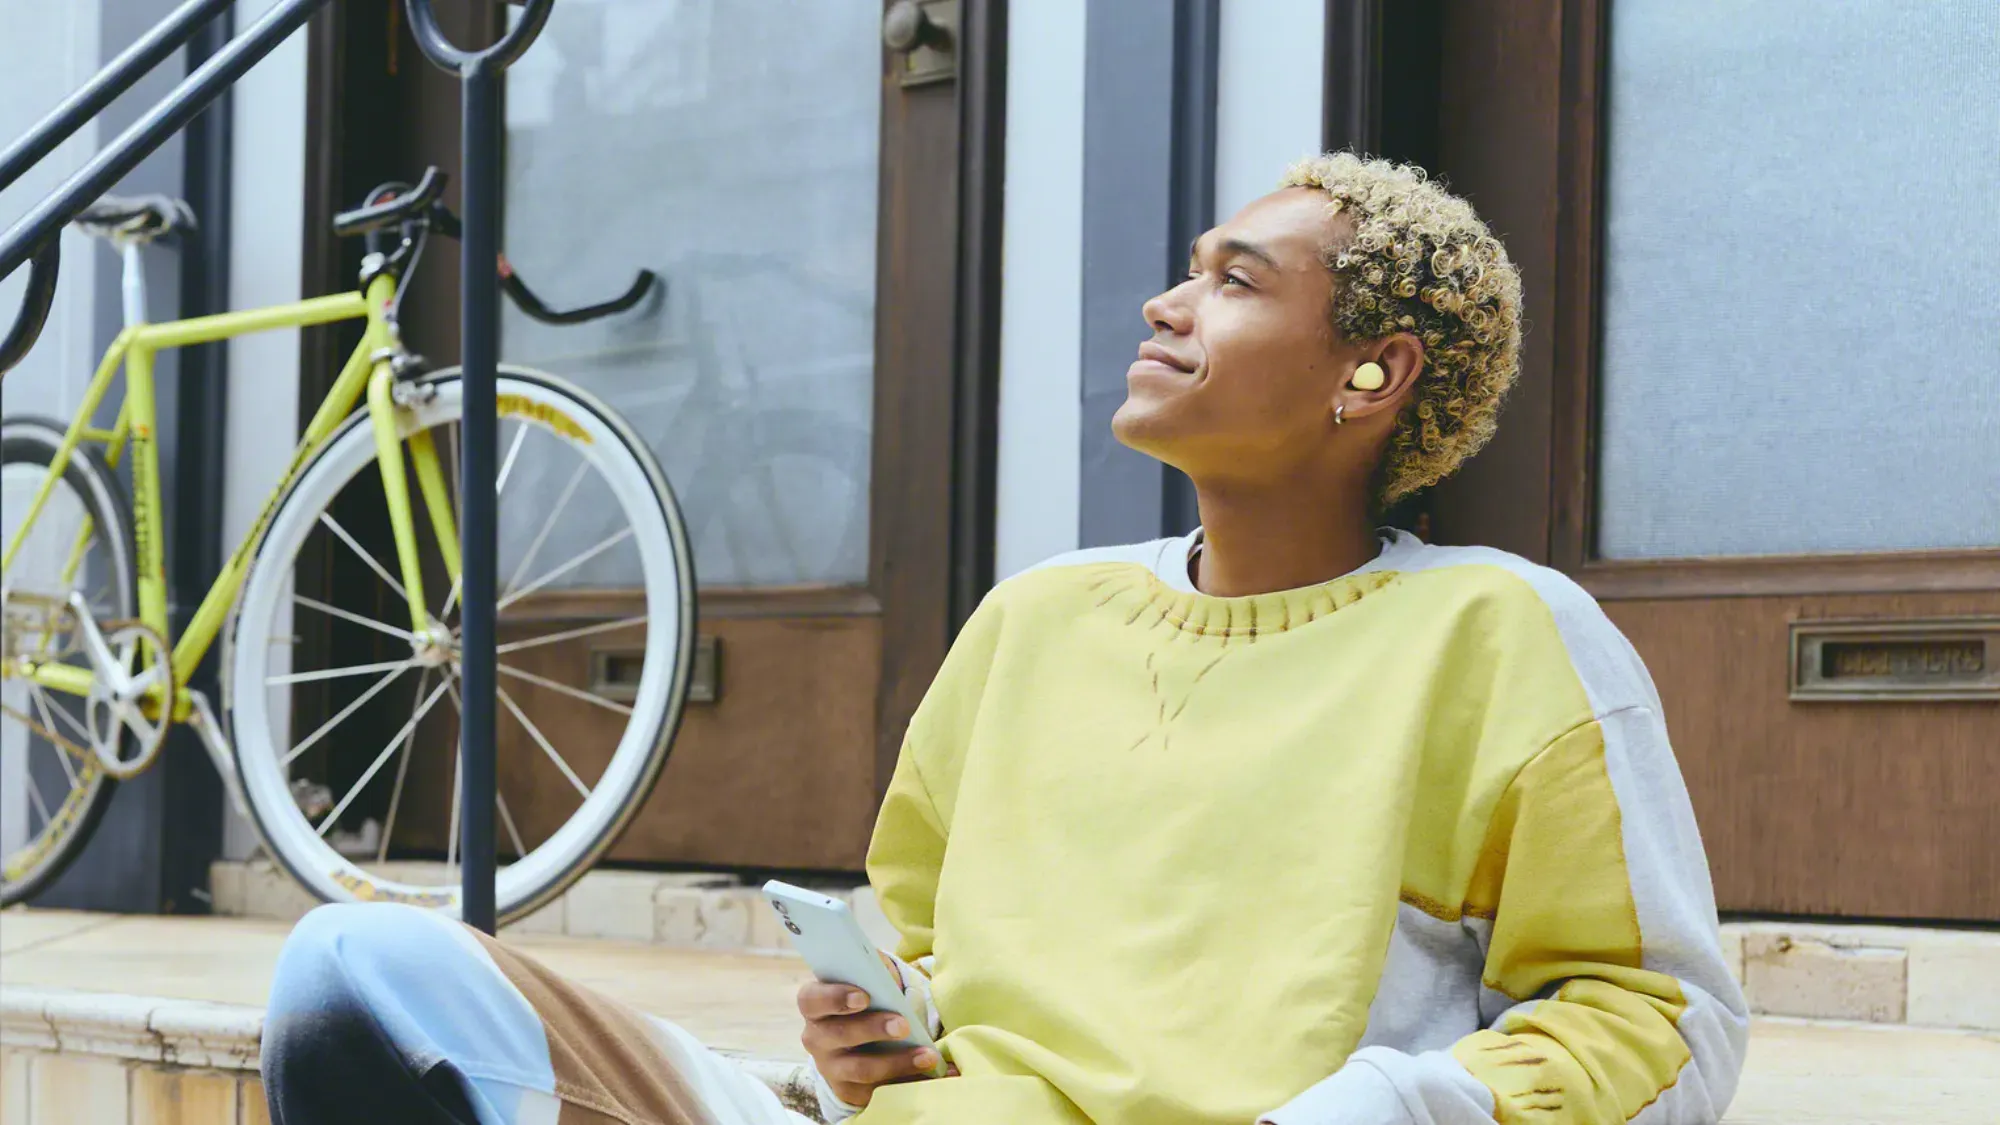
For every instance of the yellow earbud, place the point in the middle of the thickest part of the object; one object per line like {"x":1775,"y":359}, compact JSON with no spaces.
{"x":1367,"y":377}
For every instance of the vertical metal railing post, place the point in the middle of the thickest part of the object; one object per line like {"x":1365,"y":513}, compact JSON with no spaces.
{"x":479,"y":73}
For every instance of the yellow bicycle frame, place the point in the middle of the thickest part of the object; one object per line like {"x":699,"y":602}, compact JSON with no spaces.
{"x":367,"y":370}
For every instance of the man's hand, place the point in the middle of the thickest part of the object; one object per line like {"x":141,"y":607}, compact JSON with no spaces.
{"x":838,"y":1027}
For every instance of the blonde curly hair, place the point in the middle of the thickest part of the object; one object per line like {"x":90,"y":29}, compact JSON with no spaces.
{"x":1418,"y":260}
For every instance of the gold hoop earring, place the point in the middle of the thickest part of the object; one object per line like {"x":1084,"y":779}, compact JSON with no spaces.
{"x":1339,"y":408}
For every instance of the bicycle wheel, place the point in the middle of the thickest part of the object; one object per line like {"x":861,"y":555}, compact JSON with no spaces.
{"x":52,"y":791}
{"x":356,"y":794}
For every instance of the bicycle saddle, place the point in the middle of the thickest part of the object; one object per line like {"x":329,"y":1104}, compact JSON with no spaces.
{"x":140,"y":218}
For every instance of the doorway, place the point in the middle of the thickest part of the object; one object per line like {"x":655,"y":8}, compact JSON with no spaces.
{"x":816,"y":375}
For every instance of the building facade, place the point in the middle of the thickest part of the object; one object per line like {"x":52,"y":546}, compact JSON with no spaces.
{"x":1759,"y":413}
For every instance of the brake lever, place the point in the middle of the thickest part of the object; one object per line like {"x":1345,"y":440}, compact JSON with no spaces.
{"x":525,"y":299}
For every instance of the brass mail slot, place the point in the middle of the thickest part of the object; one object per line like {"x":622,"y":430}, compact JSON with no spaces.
{"x":1938,"y":659}
{"x":614,"y":672}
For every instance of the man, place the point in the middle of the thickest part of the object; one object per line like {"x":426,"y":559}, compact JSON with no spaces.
{"x":1288,"y":820}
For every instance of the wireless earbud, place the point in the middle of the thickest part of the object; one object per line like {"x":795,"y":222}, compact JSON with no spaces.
{"x":1367,"y":377}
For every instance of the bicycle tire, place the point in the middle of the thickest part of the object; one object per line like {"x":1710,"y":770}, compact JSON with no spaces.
{"x":347,"y":454}
{"x":34,"y":440}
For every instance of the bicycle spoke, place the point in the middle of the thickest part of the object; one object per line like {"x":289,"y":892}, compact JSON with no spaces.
{"x":602,"y":546}
{"x":374,"y":767}
{"x":41,"y":806}
{"x":513,"y":833}
{"x":334,"y":673}
{"x":402,"y":771}
{"x":451,"y":831}
{"x":457,"y":490}
{"x":334,"y":526}
{"x":451,"y":838}
{"x":513,"y":451}
{"x":535,"y":733}
{"x":351,"y":708}
{"x":348,"y":615}
{"x":570,"y":634}
{"x":548,"y":525}
{"x":565,"y":689}
{"x":41,"y":701}
{"x":499,"y":485}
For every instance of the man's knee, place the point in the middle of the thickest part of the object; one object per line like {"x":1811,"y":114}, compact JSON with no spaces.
{"x":329,"y":979}
{"x":339,"y":1031}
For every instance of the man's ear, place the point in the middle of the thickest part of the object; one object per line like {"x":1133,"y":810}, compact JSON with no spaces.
{"x":1383,"y":378}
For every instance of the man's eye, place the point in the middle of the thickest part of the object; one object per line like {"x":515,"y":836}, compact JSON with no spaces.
{"x":1232,"y":279}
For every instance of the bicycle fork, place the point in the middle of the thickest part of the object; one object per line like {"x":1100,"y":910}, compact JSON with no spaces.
{"x":385,"y":412}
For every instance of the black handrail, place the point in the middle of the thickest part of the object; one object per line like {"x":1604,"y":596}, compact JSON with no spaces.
{"x":117,"y":77}
{"x":35,"y":304}
{"x":479,"y":346}
{"x":44,"y":223}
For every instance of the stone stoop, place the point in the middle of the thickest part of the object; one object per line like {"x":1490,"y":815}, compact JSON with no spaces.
{"x":699,"y":910}
{"x":84,"y":1058}
{"x":71,"y":1058}
{"x":1870,"y":974}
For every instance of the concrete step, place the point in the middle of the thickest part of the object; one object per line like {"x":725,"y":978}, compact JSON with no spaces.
{"x":106,"y":1019}
{"x":699,"y":910}
{"x":1871,"y":974}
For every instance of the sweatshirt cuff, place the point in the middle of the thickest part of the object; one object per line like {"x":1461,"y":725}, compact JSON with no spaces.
{"x":831,"y":1108}
{"x":1357,"y":1094}
{"x":1381,"y":1086}
{"x":916,"y":978}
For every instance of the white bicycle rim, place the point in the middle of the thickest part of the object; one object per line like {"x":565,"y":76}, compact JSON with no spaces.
{"x":38,"y":858}
{"x":634,"y":481}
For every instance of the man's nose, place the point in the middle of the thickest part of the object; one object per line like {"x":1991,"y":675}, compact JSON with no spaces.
{"x":1169,"y":312}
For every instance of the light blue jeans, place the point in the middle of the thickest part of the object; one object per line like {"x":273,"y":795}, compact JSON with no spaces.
{"x":387,"y":1014}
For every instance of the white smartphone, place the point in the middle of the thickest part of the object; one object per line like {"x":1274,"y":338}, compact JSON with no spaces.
{"x":830,"y":939}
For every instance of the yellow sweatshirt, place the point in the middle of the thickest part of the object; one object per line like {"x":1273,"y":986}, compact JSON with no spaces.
{"x":1409,"y":846}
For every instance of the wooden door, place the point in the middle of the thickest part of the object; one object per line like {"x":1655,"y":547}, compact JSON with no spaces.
{"x":815,"y":380}
{"x":1798,"y":534}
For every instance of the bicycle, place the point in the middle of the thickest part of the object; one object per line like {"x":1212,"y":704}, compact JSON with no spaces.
{"x":92,"y":671}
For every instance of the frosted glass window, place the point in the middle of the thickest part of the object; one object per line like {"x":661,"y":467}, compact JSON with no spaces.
{"x":1801,"y":277}
{"x":731,"y":147}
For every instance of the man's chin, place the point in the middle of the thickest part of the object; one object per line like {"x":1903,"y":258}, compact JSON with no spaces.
{"x":1150,"y":428}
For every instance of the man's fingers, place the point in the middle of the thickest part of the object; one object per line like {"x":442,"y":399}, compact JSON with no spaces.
{"x":870,"y":1069}
{"x":819,"y":999}
{"x":842,"y":1033}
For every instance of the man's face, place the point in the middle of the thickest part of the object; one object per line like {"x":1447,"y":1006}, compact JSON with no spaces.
{"x":1240,"y":375}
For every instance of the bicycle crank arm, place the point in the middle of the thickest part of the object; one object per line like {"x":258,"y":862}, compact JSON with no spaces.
{"x":107,"y":665}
